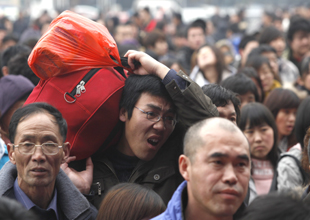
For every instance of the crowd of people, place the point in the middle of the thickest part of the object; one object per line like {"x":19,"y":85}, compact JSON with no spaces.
{"x":214,"y":124}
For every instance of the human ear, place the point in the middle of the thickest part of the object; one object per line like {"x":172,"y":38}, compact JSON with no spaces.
{"x":5,"y":71}
{"x":184,"y":165}
{"x":66,"y":151}
{"x":123,"y":114}
{"x":11,"y":153}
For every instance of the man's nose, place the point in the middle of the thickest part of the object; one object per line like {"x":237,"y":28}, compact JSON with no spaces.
{"x":160,"y":125}
{"x":229,"y":175}
{"x":38,"y":154}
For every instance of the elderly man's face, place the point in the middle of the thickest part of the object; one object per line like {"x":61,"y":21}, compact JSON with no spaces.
{"x":219,"y":174}
{"x":38,"y":169}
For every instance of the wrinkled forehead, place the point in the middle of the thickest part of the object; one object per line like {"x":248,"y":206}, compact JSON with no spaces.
{"x":222,"y":140}
{"x":158,"y":102}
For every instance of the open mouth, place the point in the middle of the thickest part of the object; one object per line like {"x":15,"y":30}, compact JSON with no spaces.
{"x":153,"y":141}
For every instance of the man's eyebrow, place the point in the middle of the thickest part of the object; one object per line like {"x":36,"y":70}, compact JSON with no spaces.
{"x":27,"y":136}
{"x":159,"y":109}
{"x":244,"y":157}
{"x":218,"y":154}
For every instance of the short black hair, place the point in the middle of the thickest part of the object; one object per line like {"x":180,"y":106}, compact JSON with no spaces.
{"x":278,"y":206}
{"x":136,"y":85}
{"x":221,"y":96}
{"x":199,"y":23}
{"x":12,"y":51}
{"x":18,"y":65}
{"x":245,"y":40}
{"x":297,"y":24}
{"x":9,"y":37}
{"x":35,"y":108}
{"x":270,"y":34}
{"x":152,"y":37}
{"x":241,"y":84}
{"x":263,"y":48}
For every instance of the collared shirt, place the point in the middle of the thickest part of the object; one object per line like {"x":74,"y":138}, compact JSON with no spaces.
{"x":50,"y":213}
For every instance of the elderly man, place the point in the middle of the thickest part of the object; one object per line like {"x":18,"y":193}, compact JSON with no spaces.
{"x":216,"y":167}
{"x":33,"y":175}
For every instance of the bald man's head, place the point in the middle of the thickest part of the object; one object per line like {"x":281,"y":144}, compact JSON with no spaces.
{"x":197,"y":135}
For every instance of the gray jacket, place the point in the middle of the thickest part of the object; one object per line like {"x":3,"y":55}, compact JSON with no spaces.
{"x":72,"y":203}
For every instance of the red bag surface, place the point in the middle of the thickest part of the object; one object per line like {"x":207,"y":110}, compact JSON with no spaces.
{"x":91,"y":109}
{"x":73,"y":43}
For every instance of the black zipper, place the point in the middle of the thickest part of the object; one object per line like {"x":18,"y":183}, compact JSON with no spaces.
{"x":80,"y":88}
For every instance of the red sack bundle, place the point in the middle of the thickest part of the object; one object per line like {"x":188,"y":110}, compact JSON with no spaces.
{"x":73,"y":43}
{"x":73,"y":59}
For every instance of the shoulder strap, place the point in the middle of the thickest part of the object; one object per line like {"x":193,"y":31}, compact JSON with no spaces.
{"x":107,"y":141}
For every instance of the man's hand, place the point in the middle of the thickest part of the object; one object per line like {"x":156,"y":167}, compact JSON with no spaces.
{"x":82,"y":180}
{"x":148,"y":64}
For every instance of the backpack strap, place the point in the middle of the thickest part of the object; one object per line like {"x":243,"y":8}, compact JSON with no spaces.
{"x":107,"y":141}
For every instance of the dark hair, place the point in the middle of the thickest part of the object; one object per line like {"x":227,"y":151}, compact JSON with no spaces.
{"x":199,"y":23}
{"x":220,"y":62}
{"x":251,"y":73}
{"x":221,"y":96}
{"x":270,"y":34}
{"x":151,"y":38}
{"x":278,"y":206}
{"x":280,"y":98}
{"x":302,"y":122}
{"x":12,"y":51}
{"x":256,"y":114}
{"x":18,"y":65}
{"x":264,"y":48}
{"x":35,"y":108}
{"x":135,"y":85}
{"x":130,"y":201}
{"x":245,"y":40}
{"x":256,"y":61}
{"x":12,"y":210}
{"x":304,"y":67}
{"x":241,"y":84}
{"x":177,"y":16}
{"x":9,"y":37}
{"x":297,"y":24}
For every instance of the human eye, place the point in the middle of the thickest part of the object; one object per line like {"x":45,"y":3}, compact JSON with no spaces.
{"x":151,"y":115}
{"x":26,"y":145}
{"x":249,"y":131}
{"x":233,"y":119}
{"x":50,"y":145}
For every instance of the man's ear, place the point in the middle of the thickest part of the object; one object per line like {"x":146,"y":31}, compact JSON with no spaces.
{"x":11,"y":153}
{"x":123,"y":115}
{"x":184,"y":166}
{"x":66,"y":150}
{"x":5,"y":70}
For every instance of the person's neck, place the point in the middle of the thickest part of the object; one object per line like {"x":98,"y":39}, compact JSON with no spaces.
{"x":297,"y":56}
{"x":210,"y":73}
{"x":196,"y":212}
{"x":198,"y":215}
{"x":123,"y":146}
{"x":41,"y":196}
{"x":280,"y":137}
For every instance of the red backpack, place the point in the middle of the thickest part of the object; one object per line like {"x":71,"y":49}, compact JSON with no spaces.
{"x":75,"y":60}
{"x":89,"y":101}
